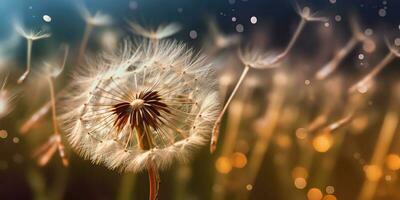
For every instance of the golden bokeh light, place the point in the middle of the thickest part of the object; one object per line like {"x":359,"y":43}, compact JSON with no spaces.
{"x":223,"y":165}
{"x":300,"y":183}
{"x":314,"y":194}
{"x":393,"y":162}
{"x":373,"y":172}
{"x":239,"y":160}
{"x":323,"y":142}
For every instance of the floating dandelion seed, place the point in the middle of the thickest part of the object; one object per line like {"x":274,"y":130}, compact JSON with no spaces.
{"x":7,"y":97}
{"x":92,"y":21}
{"x":220,"y":40}
{"x":44,"y":153}
{"x":30,"y":37}
{"x":142,"y":110}
{"x":365,"y":82}
{"x":357,"y":37}
{"x":158,"y":33}
{"x":253,"y":58}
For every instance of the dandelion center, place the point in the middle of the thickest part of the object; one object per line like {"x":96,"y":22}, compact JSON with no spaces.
{"x":142,"y":113}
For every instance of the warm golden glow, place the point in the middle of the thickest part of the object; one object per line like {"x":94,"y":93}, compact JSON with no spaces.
{"x":322,"y":143}
{"x":239,"y":160}
{"x":223,"y":165}
{"x":393,"y":161}
{"x":314,"y":194}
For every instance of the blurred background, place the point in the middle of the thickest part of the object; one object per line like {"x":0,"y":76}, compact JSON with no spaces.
{"x":288,"y":133}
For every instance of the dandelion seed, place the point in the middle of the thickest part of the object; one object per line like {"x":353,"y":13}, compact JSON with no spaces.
{"x":253,"y":58}
{"x":221,"y":40}
{"x":365,"y":82}
{"x":331,"y":66}
{"x":92,"y":21}
{"x":158,"y":33}
{"x":30,"y":37}
{"x":46,"y":151}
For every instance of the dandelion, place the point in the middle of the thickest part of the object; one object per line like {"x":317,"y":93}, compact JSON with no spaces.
{"x":7,"y":97}
{"x":92,"y":21}
{"x":144,"y":109}
{"x":30,"y":37}
{"x":254,"y":58}
{"x":47,"y":150}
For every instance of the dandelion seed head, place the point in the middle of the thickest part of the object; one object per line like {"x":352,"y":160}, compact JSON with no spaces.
{"x":144,"y":104}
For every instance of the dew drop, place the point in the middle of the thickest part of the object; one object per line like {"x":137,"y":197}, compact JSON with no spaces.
{"x":46,"y":18}
{"x":253,"y":20}
{"x":338,"y":18}
{"x":382,"y":12}
{"x":239,"y":28}
{"x":193,"y":34}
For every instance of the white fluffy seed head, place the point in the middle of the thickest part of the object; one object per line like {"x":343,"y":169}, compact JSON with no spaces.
{"x":146,"y":103}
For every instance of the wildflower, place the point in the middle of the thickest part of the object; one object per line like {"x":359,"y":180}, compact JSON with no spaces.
{"x":30,"y":36}
{"x":144,"y":109}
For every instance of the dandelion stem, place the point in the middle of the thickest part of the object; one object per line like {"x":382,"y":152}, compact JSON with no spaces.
{"x":154,"y":181}
{"x":85,"y":39}
{"x":293,"y":40}
{"x":215,"y":132}
{"x":28,"y":61}
{"x":364,"y":81}
{"x":53,"y":105}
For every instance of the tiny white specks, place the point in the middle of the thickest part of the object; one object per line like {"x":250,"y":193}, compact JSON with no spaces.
{"x":382,"y":12}
{"x":239,"y":28}
{"x":253,"y":20}
{"x":193,"y":34}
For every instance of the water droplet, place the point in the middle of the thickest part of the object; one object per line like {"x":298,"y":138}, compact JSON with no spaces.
{"x":382,"y":12}
{"x":234,"y":19}
{"x":326,"y":24}
{"x":239,"y":28}
{"x":397,"y":42}
{"x":15,"y":140}
{"x":193,"y":34}
{"x":368,"y":32}
{"x":338,"y":18}
{"x":46,"y":18}
{"x":361,"y":56}
{"x":253,"y":20}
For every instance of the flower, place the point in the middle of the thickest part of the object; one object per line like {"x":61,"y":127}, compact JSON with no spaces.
{"x":160,"y":32}
{"x":141,"y":106}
